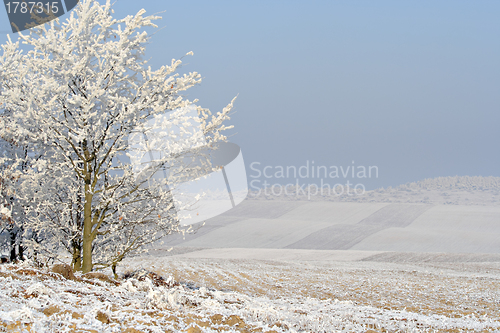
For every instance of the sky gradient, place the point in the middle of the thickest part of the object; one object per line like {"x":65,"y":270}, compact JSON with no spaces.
{"x":410,"y":87}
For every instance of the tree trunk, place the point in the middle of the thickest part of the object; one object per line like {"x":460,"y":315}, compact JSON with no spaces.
{"x":21,"y":248}
{"x":77,"y":257}
{"x":87,"y":222}
{"x":21,"y":252}
{"x":87,"y":233}
{"x":12,"y":246}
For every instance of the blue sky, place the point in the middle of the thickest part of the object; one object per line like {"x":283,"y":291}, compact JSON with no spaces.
{"x":410,"y":87}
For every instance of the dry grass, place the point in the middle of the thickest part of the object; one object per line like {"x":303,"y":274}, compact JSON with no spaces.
{"x":383,"y":288}
{"x":418,"y":291}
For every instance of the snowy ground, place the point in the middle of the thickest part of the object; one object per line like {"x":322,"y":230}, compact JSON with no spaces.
{"x":362,"y":293}
{"x":389,"y":261}
{"x":325,"y":225}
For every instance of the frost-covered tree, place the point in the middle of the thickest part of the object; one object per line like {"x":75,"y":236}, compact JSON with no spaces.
{"x":9,"y":231}
{"x":74,"y":97}
{"x":13,"y":158}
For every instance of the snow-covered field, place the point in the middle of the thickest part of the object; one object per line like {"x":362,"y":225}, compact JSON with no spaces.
{"x":358,"y":292}
{"x":324,"y":225}
{"x":420,"y":257}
